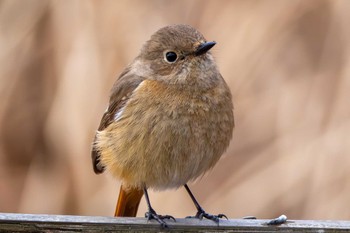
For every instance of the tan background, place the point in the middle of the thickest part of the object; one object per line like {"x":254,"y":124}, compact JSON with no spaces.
{"x":286,"y":62}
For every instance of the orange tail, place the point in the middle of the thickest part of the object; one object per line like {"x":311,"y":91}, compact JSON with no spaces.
{"x":128,"y":202}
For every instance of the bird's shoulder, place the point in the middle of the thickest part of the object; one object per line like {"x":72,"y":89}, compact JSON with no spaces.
{"x":120,"y":94}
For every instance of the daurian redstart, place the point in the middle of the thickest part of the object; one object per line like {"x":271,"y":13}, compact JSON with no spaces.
{"x":169,"y":120}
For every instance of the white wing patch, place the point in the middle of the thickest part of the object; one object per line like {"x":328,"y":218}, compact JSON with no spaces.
{"x":119,"y":113}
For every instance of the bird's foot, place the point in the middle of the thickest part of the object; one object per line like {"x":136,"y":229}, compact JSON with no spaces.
{"x":202,"y":214}
{"x":151,"y":214}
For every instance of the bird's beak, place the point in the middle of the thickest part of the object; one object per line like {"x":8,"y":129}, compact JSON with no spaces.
{"x":204,"y":47}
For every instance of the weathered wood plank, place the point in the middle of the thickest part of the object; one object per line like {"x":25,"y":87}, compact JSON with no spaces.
{"x":66,"y":223}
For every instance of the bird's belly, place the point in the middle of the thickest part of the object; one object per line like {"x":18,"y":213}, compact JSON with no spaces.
{"x":163,"y":143}
{"x":161,"y":153}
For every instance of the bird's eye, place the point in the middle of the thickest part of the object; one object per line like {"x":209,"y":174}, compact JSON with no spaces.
{"x":170,"y":57}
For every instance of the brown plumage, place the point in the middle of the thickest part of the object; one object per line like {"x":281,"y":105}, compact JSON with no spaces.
{"x":169,"y":120}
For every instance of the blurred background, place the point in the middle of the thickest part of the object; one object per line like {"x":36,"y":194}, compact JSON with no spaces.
{"x":286,"y":62}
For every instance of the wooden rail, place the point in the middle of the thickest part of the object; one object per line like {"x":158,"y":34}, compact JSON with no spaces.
{"x":67,"y":223}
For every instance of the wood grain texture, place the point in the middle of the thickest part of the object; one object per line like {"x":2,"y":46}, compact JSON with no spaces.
{"x":66,"y":223}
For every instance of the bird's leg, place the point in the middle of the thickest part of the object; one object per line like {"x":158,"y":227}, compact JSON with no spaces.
{"x":200,"y":212}
{"x":151,"y":214}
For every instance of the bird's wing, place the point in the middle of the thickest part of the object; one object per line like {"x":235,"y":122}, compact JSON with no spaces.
{"x":121,"y":92}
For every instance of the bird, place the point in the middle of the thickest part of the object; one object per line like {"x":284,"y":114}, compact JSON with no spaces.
{"x":169,"y":120}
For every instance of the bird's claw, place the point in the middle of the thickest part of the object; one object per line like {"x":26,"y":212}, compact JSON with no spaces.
{"x":151,"y":214}
{"x":202,"y":214}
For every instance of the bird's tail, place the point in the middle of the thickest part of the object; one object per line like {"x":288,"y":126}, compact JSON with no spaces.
{"x":128,"y":202}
